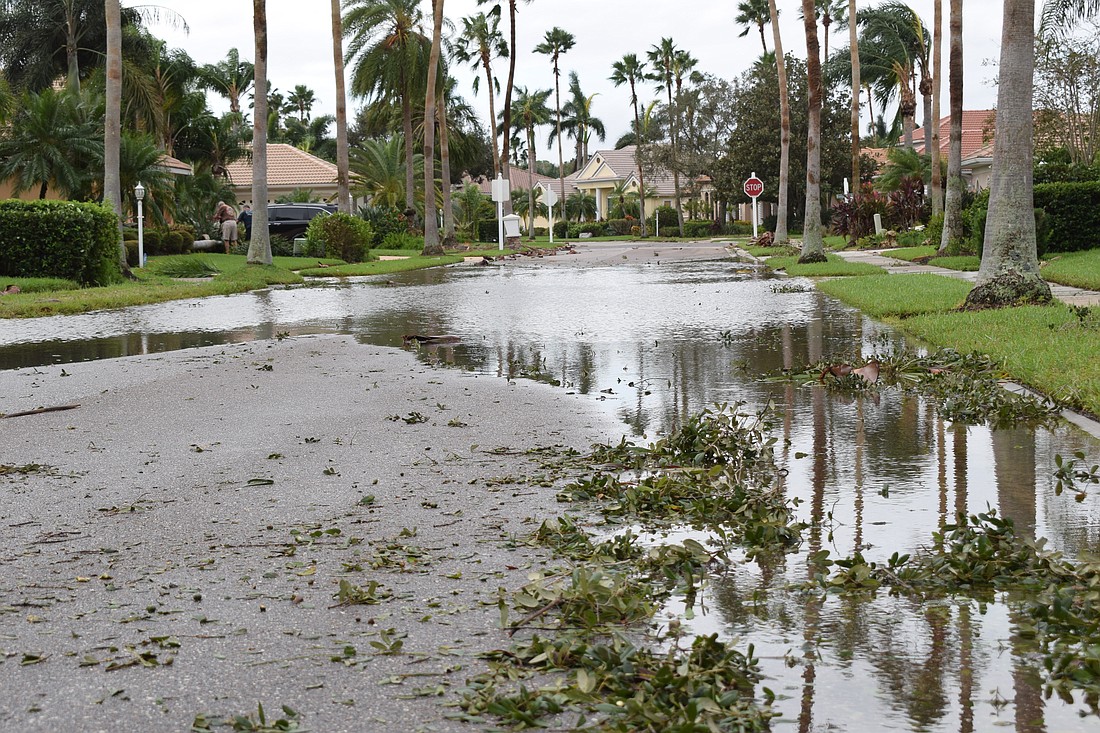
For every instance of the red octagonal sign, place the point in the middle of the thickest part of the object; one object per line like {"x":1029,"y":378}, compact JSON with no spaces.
{"x":754,"y":187}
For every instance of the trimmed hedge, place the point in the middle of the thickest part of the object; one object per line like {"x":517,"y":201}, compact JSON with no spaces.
{"x":1072,"y":214}
{"x":697,"y":228}
{"x":66,"y":239}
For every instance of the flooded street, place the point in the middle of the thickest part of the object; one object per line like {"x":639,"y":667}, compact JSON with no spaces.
{"x":655,"y":342}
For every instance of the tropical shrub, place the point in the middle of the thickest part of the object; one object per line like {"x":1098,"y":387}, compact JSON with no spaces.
{"x":856,"y":216}
{"x":487,"y":231}
{"x":76,"y":241}
{"x":383,"y":220}
{"x":739,"y":228}
{"x":561,"y":229}
{"x":339,"y":235}
{"x":403,"y":240}
{"x":905,"y":203}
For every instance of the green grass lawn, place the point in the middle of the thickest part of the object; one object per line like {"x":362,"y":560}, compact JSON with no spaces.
{"x":382,"y":267}
{"x":835,"y":267}
{"x":1079,"y":269}
{"x":898,"y":296}
{"x":963,"y":263}
{"x":910,"y":253}
{"x":757,"y":251}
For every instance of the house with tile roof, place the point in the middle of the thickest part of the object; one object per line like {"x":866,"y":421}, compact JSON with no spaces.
{"x":607,"y":169}
{"x":288,"y":169}
{"x":977,"y":144}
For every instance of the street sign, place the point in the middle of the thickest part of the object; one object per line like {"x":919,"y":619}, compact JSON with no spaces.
{"x":754,"y":187}
{"x":551,"y":197}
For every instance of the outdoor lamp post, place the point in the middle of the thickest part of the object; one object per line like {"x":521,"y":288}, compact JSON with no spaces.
{"x":139,"y":194}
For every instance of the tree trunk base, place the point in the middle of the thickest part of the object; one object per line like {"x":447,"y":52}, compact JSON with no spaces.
{"x":450,"y":242}
{"x":812,"y":257}
{"x":432,"y":251}
{"x":1009,"y":289}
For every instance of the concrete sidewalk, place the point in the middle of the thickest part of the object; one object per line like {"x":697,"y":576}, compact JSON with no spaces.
{"x":881,"y":258}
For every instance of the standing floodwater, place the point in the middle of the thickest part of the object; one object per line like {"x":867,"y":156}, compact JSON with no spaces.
{"x":656,"y":342}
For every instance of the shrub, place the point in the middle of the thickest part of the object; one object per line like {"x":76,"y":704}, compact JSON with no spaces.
{"x":666,"y":215}
{"x":383,"y":221}
{"x":282,"y":246}
{"x":487,"y":231}
{"x":635,"y":231}
{"x":541,"y":231}
{"x":403,"y":240}
{"x":339,"y":235}
{"x":1073,"y":213}
{"x":75,"y":241}
{"x":856,"y":217}
{"x":934,"y":231}
{"x":131,"y":252}
{"x":620,"y":227}
{"x":561,"y":229}
{"x":740,"y":228}
{"x":153,"y":242}
{"x":699,"y":228}
{"x":595,"y":228}
{"x":173,"y":243}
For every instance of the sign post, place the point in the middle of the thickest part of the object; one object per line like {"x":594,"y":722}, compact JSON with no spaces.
{"x":753,"y":188}
{"x":551,"y":199}
{"x":500,"y":195}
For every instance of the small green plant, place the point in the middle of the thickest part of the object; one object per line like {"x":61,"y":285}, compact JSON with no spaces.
{"x":402,"y":240}
{"x":185,"y":266}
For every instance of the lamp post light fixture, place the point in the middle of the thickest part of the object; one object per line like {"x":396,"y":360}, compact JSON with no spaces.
{"x":139,"y":194}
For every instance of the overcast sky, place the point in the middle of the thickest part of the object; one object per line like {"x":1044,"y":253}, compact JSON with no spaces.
{"x":300,"y":52}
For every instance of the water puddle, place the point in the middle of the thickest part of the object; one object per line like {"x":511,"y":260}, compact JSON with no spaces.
{"x":654,"y":344}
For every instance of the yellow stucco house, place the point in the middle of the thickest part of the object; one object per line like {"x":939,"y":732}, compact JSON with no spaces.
{"x":607,"y":169}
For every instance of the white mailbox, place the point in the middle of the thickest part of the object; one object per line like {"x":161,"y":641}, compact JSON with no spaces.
{"x":511,"y":226}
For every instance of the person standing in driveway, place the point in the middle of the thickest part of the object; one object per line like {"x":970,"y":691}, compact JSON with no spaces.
{"x":226,"y":218}
{"x":244,"y":221}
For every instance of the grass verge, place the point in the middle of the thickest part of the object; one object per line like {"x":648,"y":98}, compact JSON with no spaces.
{"x":1052,"y":348}
{"x":778,"y":251}
{"x":1078,"y":269}
{"x":898,"y":296}
{"x":834,"y":267}
{"x":383,"y":267}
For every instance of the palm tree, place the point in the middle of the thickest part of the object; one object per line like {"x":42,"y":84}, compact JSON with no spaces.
{"x":830,"y":11}
{"x":853,"y":53}
{"x":432,"y":245}
{"x":528,"y":110}
{"x":392,"y":53}
{"x":472,"y":207}
{"x":1009,"y":272}
{"x":506,"y":112}
{"x":580,"y":206}
{"x":230,"y":78}
{"x":379,"y":167}
{"x":48,"y":143}
{"x":629,"y":70}
{"x":343,"y":186}
{"x":442,"y":120}
{"x":753,"y":14}
{"x":813,"y":244}
{"x":478,"y":44}
{"x":893,"y":47}
{"x":259,"y":246}
{"x":554,"y":44}
{"x":579,"y":122}
{"x":523,"y":200}
{"x":781,"y":236}
{"x":302,"y":99}
{"x":664,"y":57}
{"x":952,"y":208}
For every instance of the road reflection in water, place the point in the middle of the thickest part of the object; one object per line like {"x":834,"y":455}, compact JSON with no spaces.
{"x":655,"y":343}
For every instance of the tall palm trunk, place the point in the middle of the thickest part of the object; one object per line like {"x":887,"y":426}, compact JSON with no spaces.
{"x":449,"y":239}
{"x":637,"y":159}
{"x":407,"y":129}
{"x":952,"y":208}
{"x":432,"y":245}
{"x":343,"y":188}
{"x":675,"y":160}
{"x":485,"y":62}
{"x":934,"y":148}
{"x":1009,"y":272}
{"x":506,"y":127}
{"x":531,"y":157}
{"x":72,"y":44}
{"x":259,"y":247}
{"x":112,"y":126}
{"x":813,"y":244}
{"x":781,"y":236}
{"x":557,"y":108}
{"x":853,"y":47}
{"x":907,"y":106}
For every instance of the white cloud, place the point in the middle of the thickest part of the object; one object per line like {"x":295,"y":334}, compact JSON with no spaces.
{"x":300,"y":52}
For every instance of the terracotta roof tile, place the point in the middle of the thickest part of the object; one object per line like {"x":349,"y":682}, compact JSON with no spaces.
{"x":978,"y":126}
{"x":287,"y":167}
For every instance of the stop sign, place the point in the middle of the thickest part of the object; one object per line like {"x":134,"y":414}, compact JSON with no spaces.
{"x":754,"y":187}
